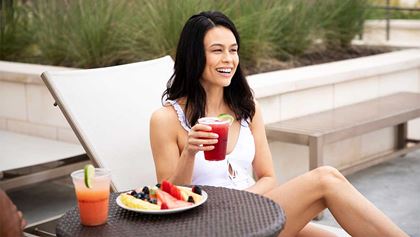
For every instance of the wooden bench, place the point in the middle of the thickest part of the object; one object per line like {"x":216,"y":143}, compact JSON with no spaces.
{"x":317,"y":130}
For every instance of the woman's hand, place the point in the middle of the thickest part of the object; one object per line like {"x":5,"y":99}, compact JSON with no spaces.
{"x":200,"y":138}
{"x":175,"y":162}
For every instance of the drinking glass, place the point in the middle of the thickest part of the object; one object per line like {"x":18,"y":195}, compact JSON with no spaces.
{"x":221,"y":127}
{"x":93,"y":202}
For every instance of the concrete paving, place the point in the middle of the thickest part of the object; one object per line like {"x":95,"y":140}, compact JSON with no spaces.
{"x":393,"y":186}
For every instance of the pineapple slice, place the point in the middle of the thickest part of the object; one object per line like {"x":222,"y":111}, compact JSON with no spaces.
{"x":133,"y":202}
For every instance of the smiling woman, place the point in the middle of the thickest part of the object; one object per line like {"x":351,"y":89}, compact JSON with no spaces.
{"x":221,"y":57}
{"x":210,"y":53}
{"x":208,"y":81}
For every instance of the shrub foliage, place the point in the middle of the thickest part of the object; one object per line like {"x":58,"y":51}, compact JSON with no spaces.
{"x":87,"y":34}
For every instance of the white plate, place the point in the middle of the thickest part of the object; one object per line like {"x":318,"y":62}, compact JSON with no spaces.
{"x":166,"y":211}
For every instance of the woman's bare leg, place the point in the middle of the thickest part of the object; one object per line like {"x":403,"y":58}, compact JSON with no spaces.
{"x":303,"y":197}
{"x":311,"y":230}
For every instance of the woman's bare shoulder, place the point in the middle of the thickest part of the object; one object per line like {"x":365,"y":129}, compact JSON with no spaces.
{"x":165,"y":116}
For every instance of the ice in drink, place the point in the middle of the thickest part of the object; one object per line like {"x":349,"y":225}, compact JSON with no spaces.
{"x":221,"y":127}
{"x":93,"y":202}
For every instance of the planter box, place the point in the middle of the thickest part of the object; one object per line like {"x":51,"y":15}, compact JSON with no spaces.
{"x":26,"y":104}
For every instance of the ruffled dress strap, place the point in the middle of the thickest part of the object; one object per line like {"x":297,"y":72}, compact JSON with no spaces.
{"x":181,"y":115}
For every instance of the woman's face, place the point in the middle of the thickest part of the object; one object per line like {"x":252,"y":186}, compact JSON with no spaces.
{"x":221,"y":51}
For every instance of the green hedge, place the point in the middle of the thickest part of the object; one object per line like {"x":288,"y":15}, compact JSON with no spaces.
{"x":100,"y":33}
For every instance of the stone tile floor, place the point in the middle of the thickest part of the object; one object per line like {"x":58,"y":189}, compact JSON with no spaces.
{"x":392,"y":186}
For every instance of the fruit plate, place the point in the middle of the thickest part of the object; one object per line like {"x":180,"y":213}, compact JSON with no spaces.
{"x":166,"y":211}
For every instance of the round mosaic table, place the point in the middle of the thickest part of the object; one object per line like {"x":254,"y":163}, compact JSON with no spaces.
{"x":226,"y":212}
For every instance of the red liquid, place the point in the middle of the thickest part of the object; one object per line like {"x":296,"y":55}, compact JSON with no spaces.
{"x":219,"y":151}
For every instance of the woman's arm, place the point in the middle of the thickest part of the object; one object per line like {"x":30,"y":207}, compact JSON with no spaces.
{"x":169,"y":163}
{"x":172,"y":162}
{"x":262,"y":164}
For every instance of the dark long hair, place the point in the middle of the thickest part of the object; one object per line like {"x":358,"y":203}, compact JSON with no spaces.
{"x":189,"y":65}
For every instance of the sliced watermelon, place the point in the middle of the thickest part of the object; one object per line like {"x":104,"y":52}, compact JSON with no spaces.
{"x":165,"y":197}
{"x":176,"y":193}
{"x":173,"y":190}
{"x":171,"y":201}
{"x":164,"y":206}
{"x":166,"y":186}
{"x":179,"y":204}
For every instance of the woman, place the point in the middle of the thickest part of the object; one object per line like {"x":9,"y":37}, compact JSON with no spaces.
{"x":208,"y":81}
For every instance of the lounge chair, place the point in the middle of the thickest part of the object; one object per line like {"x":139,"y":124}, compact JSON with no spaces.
{"x":109,"y":111}
{"x":26,"y":160}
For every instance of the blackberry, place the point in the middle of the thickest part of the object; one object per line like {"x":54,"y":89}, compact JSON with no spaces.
{"x":145,"y":190}
{"x":158,"y":185}
{"x":140,"y":196}
{"x":196,"y":189}
{"x":191,"y":199}
{"x":133,"y":193}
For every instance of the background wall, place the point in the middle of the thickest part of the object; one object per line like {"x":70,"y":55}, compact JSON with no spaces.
{"x":301,"y":91}
{"x":26,"y":105}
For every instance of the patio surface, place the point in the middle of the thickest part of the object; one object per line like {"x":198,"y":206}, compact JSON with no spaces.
{"x":392,"y":186}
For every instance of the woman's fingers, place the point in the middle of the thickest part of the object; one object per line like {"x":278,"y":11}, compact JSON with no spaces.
{"x":201,"y":127}
{"x":196,"y":141}
{"x":201,"y":134}
{"x":200,"y":144}
{"x":200,"y":138}
{"x":201,"y":148}
{"x":202,"y":131}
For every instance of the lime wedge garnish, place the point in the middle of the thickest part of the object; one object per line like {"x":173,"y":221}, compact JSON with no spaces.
{"x":89,"y":174}
{"x":226,"y":117}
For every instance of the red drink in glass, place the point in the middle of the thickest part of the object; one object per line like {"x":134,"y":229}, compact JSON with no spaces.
{"x":221,"y":127}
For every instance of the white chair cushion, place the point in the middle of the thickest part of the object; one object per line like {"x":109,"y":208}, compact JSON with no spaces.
{"x":109,"y":109}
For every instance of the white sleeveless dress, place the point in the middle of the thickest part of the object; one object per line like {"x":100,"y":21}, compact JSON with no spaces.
{"x":216,"y":173}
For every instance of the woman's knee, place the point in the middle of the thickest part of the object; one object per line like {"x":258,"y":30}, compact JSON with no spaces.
{"x":328,"y":176}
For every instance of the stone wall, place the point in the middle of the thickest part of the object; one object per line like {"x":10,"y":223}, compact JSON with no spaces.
{"x":26,"y":106}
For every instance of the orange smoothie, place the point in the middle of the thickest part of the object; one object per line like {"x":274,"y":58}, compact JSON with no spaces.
{"x":93,"y":202}
{"x":93,"y":207}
